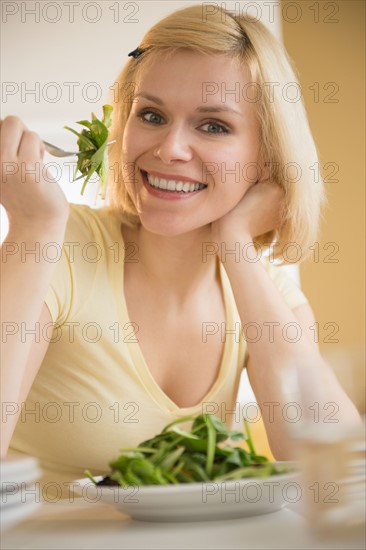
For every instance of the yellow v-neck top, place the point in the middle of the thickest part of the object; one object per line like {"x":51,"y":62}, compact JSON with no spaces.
{"x":94,"y":393}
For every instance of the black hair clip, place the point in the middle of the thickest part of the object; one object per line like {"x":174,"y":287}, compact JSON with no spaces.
{"x":136,"y":53}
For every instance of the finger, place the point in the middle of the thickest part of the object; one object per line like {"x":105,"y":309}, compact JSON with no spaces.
{"x":12,"y":129}
{"x":31,"y":147}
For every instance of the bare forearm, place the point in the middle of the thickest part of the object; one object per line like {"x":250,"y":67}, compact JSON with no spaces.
{"x":269,"y":325}
{"x":26,"y":273}
{"x":38,"y":211}
{"x":274,"y":351}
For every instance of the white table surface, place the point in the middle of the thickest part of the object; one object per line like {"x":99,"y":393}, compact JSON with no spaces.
{"x":65,"y":525}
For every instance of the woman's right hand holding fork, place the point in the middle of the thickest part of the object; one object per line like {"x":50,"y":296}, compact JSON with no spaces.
{"x":29,"y":194}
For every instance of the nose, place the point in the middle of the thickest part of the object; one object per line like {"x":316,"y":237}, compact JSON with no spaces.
{"x":173,"y":146}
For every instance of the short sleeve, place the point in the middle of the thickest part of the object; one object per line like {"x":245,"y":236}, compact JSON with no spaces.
{"x":73,"y":276}
{"x":287,"y":282}
{"x":58,"y":297}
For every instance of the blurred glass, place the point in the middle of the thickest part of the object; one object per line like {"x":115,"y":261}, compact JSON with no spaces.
{"x":329,"y":449}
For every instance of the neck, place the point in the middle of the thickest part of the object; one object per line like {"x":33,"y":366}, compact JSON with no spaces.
{"x":179,"y":263}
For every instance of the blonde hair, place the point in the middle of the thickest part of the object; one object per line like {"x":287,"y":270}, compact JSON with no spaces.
{"x":286,"y":140}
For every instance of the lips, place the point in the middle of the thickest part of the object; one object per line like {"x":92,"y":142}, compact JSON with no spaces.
{"x":175,"y":184}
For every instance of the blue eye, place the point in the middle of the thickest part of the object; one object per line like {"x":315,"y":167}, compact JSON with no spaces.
{"x":215,"y":128}
{"x":150,"y":117}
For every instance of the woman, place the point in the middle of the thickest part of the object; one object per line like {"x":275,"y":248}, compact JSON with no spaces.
{"x":159,"y":300}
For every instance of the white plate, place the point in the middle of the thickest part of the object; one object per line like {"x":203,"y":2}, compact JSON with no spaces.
{"x":196,"y":501}
{"x":16,"y":470}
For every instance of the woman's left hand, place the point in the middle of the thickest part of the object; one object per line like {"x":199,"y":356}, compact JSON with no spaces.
{"x":258,"y":212}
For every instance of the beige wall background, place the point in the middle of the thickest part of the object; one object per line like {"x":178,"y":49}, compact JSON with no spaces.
{"x":326,"y":41}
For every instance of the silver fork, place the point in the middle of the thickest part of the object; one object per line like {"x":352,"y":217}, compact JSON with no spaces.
{"x":57,"y":152}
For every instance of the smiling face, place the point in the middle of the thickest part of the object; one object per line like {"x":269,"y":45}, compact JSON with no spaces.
{"x":192,"y":141}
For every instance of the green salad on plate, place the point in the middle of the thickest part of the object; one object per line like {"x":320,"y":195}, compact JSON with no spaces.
{"x":200,"y":455}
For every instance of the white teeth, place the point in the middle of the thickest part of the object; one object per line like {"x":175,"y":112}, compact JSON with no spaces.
{"x":172,"y":185}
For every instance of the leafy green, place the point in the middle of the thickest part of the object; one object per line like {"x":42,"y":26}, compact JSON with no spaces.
{"x":93,"y":149}
{"x":178,"y":456}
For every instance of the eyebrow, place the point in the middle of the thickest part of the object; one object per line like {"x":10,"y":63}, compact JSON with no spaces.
{"x":207,"y":109}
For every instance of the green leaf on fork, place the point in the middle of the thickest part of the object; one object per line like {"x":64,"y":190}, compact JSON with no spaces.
{"x":93,"y":150}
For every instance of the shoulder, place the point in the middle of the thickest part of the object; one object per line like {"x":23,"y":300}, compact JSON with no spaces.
{"x":84,"y":217}
{"x":92,"y":224}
